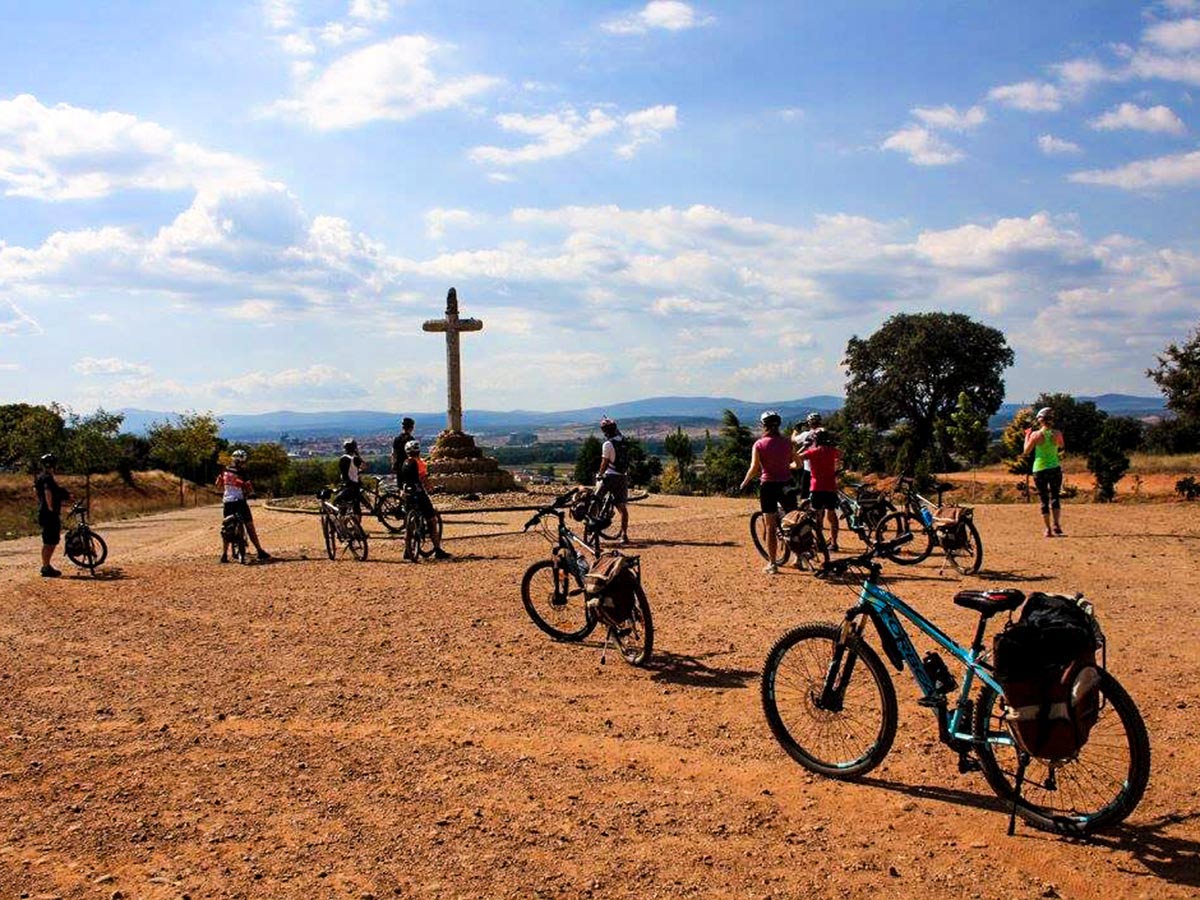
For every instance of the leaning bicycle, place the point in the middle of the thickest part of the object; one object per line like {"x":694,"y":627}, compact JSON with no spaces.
{"x":420,"y":531}
{"x":797,"y":534}
{"x":384,"y":503}
{"x":83,"y":546}
{"x":831,"y":704}
{"x":233,"y":536}
{"x":932,"y":524}
{"x":340,"y":528}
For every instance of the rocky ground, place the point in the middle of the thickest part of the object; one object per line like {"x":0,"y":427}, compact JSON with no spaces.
{"x":340,"y":729}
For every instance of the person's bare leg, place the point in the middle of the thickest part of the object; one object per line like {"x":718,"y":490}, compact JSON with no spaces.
{"x":624,"y":523}
{"x":47,"y":552}
{"x":1057,"y":513}
{"x":772,"y":536}
{"x":253,"y":533}
{"x":831,"y":515}
{"x":1046,"y":520}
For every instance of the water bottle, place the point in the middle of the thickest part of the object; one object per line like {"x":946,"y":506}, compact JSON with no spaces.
{"x":926,"y":516}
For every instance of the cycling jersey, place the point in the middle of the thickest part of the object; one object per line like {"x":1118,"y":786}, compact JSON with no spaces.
{"x":411,"y":474}
{"x":234,"y":485}
{"x":1045,"y":451}
{"x":616,"y":452}
{"x":775,"y":456}
{"x":350,"y":468}
{"x":824,"y":468}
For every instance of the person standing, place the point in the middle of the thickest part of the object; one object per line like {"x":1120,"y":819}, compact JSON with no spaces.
{"x":1046,"y":443}
{"x":50,"y":500}
{"x":613,"y":476}
{"x":350,"y":469}
{"x":771,"y":460}
{"x":400,"y":441}
{"x":411,"y":480}
{"x":824,"y":458}
{"x":236,"y":491}
{"x":804,"y":439}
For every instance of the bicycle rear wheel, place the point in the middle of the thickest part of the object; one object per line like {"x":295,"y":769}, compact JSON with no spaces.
{"x":897,"y":524}
{"x":356,"y":539}
{"x":844,"y":739}
{"x":555,"y":602}
{"x":964,"y":550}
{"x":635,"y":636}
{"x":758,"y":533}
{"x":413,"y":526}
{"x":391,"y":513}
{"x":329,"y":532}
{"x":1100,"y":787}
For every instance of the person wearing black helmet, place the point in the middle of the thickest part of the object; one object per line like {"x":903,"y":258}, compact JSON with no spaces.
{"x":613,"y":477}
{"x":400,"y":441}
{"x":411,"y":480}
{"x":50,"y":500}
{"x":350,"y":469}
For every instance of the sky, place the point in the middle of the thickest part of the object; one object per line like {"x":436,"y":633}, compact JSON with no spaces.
{"x":253,"y":206}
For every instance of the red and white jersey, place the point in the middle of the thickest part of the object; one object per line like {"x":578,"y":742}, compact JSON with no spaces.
{"x":235,"y":486}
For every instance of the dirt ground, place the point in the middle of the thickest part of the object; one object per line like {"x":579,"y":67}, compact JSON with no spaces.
{"x":321,"y":729}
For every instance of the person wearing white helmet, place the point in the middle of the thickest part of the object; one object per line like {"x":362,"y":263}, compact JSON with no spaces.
{"x":804,"y":437}
{"x":410,"y":478}
{"x":1046,"y":442}
{"x":613,"y":476}
{"x":236,"y":488}
{"x":771,"y":461}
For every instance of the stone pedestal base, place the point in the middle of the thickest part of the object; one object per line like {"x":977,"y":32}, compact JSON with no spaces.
{"x":457,"y":466}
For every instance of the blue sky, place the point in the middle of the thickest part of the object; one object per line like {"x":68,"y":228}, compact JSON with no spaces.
{"x":253,"y":206}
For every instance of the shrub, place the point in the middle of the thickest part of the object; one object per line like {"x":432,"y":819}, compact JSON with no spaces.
{"x":1188,"y":488}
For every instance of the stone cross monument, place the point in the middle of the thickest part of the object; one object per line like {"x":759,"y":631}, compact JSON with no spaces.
{"x":456,"y":465}
{"x":452,"y":325}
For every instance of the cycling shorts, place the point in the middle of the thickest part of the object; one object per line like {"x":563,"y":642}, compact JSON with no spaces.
{"x":775,"y":494}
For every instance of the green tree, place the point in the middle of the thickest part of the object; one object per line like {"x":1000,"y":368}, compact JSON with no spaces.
{"x":185,"y":446}
{"x":1012,"y":442}
{"x":679,"y":447}
{"x":1079,"y":420}
{"x":913,"y":369}
{"x":307,"y":476}
{"x":726,"y":458}
{"x":31,"y":431}
{"x":1108,"y":460}
{"x":587,"y":461}
{"x":266,"y":465}
{"x":968,"y":431}
{"x":91,"y":445}
{"x":1178,"y":376}
{"x":133,"y":455}
{"x":1174,"y":435}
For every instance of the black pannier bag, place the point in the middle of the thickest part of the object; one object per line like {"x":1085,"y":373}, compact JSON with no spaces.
{"x":1046,"y":663}
{"x":229,"y":527}
{"x":611,"y":586}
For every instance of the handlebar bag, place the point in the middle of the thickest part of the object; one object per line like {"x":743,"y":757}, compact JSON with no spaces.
{"x":1046,"y":663}
{"x":611,"y":586}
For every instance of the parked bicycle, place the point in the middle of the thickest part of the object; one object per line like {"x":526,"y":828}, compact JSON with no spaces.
{"x":797,"y":534}
{"x":233,"y":536}
{"x":83,"y":546}
{"x":339,"y":527}
{"x":862,"y":512}
{"x":385,"y":503}
{"x":831,"y":704}
{"x":558,"y":601}
{"x":950,"y":528}
{"x":419,"y":533}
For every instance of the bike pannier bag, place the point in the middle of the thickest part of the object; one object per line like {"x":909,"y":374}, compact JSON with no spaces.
{"x":1046,"y":663}
{"x":229,"y":526}
{"x":611,"y":586}
{"x":798,"y":531}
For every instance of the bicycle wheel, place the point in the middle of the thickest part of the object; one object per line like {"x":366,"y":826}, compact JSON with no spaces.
{"x":758,"y":533}
{"x":841,"y":743}
{"x":88,"y":550}
{"x":555,"y":602}
{"x":329,"y":531}
{"x":391,"y":513}
{"x":815,"y":554}
{"x":356,"y":539}
{"x":900,"y":523}
{"x":1100,"y":787}
{"x":635,"y":637}
{"x":413,"y":526}
{"x":425,"y":545}
{"x":965,"y":552}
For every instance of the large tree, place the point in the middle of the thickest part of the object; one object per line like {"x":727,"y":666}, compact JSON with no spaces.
{"x":27,"y":432}
{"x":186,"y":445}
{"x":1079,"y":420}
{"x":1178,"y":376}
{"x":92,"y":445}
{"x":914,"y":368}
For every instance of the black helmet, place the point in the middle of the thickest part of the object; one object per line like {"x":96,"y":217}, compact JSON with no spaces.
{"x":407,"y":423}
{"x":48,"y":460}
{"x":350,"y":445}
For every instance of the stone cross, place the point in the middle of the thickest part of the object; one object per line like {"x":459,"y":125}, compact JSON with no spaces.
{"x":452,"y":325}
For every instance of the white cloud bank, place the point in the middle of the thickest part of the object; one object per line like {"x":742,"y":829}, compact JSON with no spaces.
{"x":1053,"y":146}
{"x":1176,"y":170}
{"x":569,"y":131}
{"x":1130,"y":116}
{"x":663,"y":15}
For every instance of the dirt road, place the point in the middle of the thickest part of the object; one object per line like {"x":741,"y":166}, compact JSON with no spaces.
{"x":340,"y":729}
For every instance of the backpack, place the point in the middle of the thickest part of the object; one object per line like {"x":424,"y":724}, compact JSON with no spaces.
{"x":1046,"y":663}
{"x":797,"y":530}
{"x":611,"y":586}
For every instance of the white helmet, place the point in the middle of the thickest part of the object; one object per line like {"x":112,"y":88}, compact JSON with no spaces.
{"x":412,"y":447}
{"x":771,"y":419}
{"x":238,"y":455}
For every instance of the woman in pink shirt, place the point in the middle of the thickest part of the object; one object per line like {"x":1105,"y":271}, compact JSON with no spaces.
{"x":771,"y":462}
{"x":823,"y":459}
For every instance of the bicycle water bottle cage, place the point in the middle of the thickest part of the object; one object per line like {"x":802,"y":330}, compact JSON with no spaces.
{"x":990,"y":602}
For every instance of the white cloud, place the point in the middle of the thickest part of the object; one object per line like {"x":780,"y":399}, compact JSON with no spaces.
{"x":667,"y":15}
{"x":297,"y":44}
{"x":1052,"y":146}
{"x":1176,"y":170}
{"x":922,"y":146}
{"x":254,"y":311}
{"x":1174,"y":37}
{"x":390,"y":80}
{"x":500,"y":177}
{"x":1008,"y":241}
{"x":1185,"y":69}
{"x":554,"y":135}
{"x":1030,"y":96}
{"x":646,"y":127}
{"x":109,"y":365}
{"x":370,"y":10}
{"x":1155,"y":119}
{"x":947,"y":118}
{"x":315,"y":382}
{"x":279,"y":14}
{"x":1080,"y":74}
{"x":335,"y":34}
{"x":791,"y":114}
{"x":69,"y":153}
{"x":14,"y":320}
{"x":437,"y":220}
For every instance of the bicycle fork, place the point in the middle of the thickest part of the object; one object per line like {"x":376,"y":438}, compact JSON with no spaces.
{"x":833,"y":693}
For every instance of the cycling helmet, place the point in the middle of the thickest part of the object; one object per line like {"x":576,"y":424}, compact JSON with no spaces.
{"x":771,"y":419}
{"x":813,"y":418}
{"x":350,"y":445}
{"x":49,"y":459}
{"x":412,"y":447}
{"x":407,"y":423}
{"x":238,"y":455}
{"x":1045,"y":413}
{"x":607,"y":424}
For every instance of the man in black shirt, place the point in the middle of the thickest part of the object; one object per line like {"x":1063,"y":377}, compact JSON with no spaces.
{"x":50,"y":499}
{"x":410,"y":480}
{"x":400,"y":442}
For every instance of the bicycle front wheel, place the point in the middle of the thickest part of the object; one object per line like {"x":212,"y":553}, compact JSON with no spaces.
{"x":89,"y":552}
{"x":329,"y":532}
{"x":965,"y":550}
{"x":1098,"y":788}
{"x":635,"y":636}
{"x":847,"y":736}
{"x":356,"y":540}
{"x":759,"y":526}
{"x":391,"y":513}
{"x":555,"y":602}
{"x":900,"y":523}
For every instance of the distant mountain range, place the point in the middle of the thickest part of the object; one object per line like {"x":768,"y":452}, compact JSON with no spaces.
{"x":687,"y":411}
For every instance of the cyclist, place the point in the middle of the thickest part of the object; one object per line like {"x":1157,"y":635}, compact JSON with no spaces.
{"x":236,"y":488}
{"x":1046,"y":442}
{"x":350,"y":469}
{"x":613,"y":477}
{"x":803,"y":438}
{"x":50,"y":500}
{"x":400,"y":441}
{"x":823,"y":458}
{"x":411,"y":480}
{"x":771,"y":460}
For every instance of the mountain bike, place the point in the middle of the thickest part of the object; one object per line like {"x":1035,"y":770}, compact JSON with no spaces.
{"x":862,"y":512}
{"x":384,"y":503}
{"x":339,"y":526}
{"x":83,"y":546}
{"x":598,"y":522}
{"x":951,"y":528}
{"x":831,"y":704}
{"x":554,"y":595}
{"x":233,"y":534}
{"x":419,"y":532}
{"x":797,"y":533}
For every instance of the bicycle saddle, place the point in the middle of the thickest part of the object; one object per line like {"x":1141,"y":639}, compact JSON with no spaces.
{"x":990,"y":602}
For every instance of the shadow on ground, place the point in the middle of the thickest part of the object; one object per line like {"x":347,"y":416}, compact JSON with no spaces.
{"x":676,"y":668}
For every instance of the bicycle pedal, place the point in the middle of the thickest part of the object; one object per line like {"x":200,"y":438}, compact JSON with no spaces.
{"x":967,"y":764}
{"x":935,"y":702}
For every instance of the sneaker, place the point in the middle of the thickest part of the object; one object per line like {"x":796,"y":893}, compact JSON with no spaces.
{"x":223,"y":559}
{"x":264,"y":556}
{"x":770,"y":568}
{"x":50,"y":572}
{"x":439,"y":553}
{"x":1049,"y":533}
{"x":1058,"y":532}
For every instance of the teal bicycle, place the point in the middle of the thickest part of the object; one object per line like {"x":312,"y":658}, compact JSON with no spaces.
{"x":831,"y":704}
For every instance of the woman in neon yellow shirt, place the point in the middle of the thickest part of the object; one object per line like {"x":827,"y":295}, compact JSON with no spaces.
{"x":1046,"y":442}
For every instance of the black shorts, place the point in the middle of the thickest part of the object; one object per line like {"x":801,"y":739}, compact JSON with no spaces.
{"x":420,"y":500}
{"x":617,"y":485}
{"x":240,"y":507}
{"x":805,"y":482}
{"x":823,"y":499}
{"x":775,"y":494}
{"x":51,"y":525}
